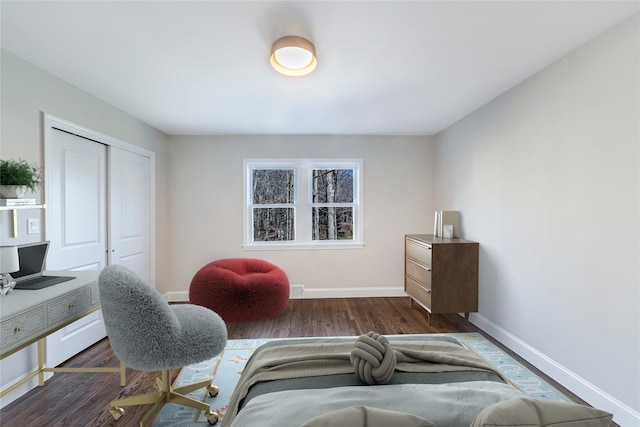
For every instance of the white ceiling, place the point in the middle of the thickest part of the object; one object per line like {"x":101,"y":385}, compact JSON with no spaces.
{"x":384,"y":67}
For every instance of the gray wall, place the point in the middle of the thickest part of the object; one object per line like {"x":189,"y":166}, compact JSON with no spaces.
{"x":547,"y":179}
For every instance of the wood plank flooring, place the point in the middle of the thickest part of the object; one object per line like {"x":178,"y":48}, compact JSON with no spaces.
{"x":82,"y":399}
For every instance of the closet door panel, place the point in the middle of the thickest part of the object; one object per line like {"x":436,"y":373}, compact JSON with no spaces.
{"x":76,"y":203}
{"x":76,"y":227}
{"x":130,"y":211}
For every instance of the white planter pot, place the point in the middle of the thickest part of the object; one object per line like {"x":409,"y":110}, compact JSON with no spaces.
{"x":12,"y":191}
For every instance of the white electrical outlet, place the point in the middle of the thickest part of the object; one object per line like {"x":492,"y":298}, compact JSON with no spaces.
{"x":296,"y":291}
{"x":33,"y":225}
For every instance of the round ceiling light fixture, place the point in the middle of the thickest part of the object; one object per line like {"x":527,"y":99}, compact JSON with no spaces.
{"x":293,"y":56}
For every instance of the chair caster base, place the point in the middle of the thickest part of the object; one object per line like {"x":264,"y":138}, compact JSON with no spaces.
{"x":213,"y":390}
{"x":212,"y":417}
{"x":116,"y":412}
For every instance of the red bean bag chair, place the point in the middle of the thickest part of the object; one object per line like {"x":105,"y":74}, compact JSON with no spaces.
{"x":241,"y":289}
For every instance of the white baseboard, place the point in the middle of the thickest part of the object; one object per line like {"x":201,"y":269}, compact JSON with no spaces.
{"x":624,"y":415}
{"x":354,"y":292}
{"x":19,"y":391}
{"x":318,"y":293}
{"x":173,"y":296}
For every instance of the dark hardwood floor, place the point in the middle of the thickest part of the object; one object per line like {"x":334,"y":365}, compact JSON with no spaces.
{"x":82,"y":399}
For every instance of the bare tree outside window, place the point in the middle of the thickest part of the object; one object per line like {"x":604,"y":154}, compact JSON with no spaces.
{"x":332,"y":199}
{"x":273,"y":194}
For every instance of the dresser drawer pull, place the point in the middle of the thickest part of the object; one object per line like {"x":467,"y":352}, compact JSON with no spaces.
{"x":17,"y":330}
{"x":70,"y":306}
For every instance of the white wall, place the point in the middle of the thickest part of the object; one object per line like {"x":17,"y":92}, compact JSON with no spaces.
{"x":547,"y":179}
{"x":207,"y":207}
{"x":27,"y":92}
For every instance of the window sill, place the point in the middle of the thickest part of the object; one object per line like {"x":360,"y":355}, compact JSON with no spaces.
{"x":275,"y":246}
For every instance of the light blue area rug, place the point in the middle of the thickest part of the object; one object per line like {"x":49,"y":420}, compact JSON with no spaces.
{"x":226,"y":368}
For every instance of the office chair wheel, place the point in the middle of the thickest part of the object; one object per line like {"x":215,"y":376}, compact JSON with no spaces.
{"x":116,"y":412}
{"x":213,"y":390}
{"x":212,"y":417}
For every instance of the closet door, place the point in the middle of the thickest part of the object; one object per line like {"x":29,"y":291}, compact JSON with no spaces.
{"x":99,"y":196}
{"x":76,"y":225}
{"x":130,"y":211}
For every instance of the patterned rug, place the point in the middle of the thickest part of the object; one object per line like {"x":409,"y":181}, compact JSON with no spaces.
{"x":227,"y":367}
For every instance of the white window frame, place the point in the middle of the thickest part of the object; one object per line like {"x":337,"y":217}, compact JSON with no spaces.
{"x":303,"y":203}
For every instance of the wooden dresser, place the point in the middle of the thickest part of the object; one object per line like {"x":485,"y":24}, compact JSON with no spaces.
{"x":441,"y":274}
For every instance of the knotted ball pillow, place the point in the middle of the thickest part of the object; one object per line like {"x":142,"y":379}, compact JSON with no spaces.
{"x":373,"y":359}
{"x":241,"y":289}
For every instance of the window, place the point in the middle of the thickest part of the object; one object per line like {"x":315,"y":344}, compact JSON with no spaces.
{"x":273,"y":200}
{"x":332,"y":204}
{"x":303,"y":202}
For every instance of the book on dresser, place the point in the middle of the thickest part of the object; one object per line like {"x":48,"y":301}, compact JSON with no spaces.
{"x":441,"y":275}
{"x":443,"y":218}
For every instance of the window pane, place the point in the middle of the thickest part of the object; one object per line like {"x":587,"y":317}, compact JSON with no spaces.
{"x":273,"y":186}
{"x":273,"y":224}
{"x":332,"y":223}
{"x":332,"y":186}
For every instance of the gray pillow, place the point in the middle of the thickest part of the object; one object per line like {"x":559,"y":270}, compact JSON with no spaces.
{"x":529,"y":412}
{"x":364,"y":416}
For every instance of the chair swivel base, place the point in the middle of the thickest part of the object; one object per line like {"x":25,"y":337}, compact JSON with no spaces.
{"x":165,"y":393}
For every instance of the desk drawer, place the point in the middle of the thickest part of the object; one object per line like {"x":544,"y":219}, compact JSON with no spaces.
{"x":22,"y":328}
{"x":68,"y":307}
{"x":95,"y":294}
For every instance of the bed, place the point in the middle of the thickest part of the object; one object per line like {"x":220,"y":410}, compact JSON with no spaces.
{"x":380,"y":381}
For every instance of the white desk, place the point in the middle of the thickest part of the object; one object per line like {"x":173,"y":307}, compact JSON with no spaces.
{"x":28,"y":316}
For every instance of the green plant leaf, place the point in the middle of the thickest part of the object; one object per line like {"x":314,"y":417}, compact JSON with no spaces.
{"x":19,"y":172}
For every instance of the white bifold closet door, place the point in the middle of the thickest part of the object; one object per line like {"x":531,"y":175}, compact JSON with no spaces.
{"x":76,"y":199}
{"x":130,"y":211}
{"x":98,"y":213}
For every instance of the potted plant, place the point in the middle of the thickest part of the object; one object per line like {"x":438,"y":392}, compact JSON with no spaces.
{"x":16,"y":177}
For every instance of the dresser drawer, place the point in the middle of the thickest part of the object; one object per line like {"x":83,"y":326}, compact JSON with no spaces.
{"x":22,"y":328}
{"x":419,"y":251}
{"x":417,"y":272}
{"x":68,"y":307}
{"x":420,"y":294}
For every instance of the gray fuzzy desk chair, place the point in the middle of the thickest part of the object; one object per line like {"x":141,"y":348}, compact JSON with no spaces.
{"x":148,"y":334}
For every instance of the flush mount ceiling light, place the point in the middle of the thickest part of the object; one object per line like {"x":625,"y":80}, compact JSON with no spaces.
{"x":293,"y":56}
